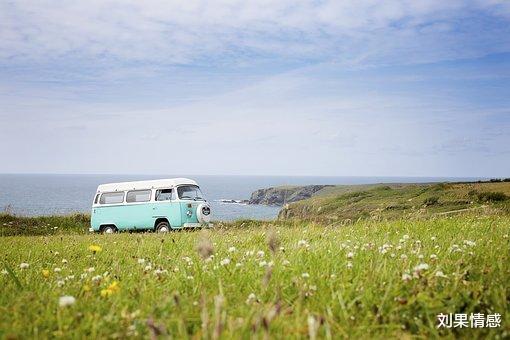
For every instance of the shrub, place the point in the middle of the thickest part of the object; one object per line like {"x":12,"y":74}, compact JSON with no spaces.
{"x":492,"y":196}
{"x":473,"y":193}
{"x":431,"y":200}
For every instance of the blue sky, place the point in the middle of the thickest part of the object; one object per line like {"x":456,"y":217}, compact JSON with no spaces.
{"x":393,"y":88}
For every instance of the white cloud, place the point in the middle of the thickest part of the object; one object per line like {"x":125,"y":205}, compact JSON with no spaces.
{"x":204,"y":32}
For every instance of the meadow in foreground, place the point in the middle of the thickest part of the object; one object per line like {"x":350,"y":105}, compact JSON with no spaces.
{"x":302,"y":280}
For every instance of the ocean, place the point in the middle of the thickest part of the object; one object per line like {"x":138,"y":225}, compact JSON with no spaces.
{"x":48,"y":194}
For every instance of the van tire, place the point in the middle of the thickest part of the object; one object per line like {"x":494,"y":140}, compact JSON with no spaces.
{"x":108,"y":229}
{"x":162,"y":227}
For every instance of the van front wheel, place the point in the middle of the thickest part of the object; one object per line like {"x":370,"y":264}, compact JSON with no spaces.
{"x":163,"y":227}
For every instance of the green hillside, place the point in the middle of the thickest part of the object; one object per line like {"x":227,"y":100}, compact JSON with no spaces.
{"x":350,"y":203}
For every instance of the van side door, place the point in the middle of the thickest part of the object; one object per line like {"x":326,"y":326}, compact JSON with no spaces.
{"x":166,"y":206}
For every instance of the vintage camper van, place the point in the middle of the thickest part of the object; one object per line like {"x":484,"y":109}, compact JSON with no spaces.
{"x":159,"y":205}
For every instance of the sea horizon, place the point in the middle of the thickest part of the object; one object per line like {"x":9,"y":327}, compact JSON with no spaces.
{"x":31,"y":194}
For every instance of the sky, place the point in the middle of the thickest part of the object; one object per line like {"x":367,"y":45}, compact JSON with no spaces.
{"x":332,"y":88}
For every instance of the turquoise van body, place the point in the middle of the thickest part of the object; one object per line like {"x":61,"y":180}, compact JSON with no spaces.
{"x":149,"y":205}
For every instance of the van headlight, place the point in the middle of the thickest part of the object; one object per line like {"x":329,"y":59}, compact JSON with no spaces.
{"x":204,"y":213}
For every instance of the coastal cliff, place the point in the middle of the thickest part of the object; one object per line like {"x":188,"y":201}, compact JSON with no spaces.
{"x":285,"y":194}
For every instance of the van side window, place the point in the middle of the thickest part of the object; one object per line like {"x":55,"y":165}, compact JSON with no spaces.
{"x":96,"y":198}
{"x":112,"y":198}
{"x":164,"y":195}
{"x":138,"y":196}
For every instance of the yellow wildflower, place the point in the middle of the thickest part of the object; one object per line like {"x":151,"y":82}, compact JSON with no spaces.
{"x":95,"y":248}
{"x":86,"y":288}
{"x":45,"y":273}
{"x":105,"y":293}
{"x":111,"y":289}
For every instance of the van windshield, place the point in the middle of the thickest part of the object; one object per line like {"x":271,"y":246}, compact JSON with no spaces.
{"x":190,"y":192}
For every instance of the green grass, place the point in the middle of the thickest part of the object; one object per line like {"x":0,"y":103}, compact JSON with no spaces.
{"x":11,"y":225}
{"x":394,"y":201}
{"x":198,"y":298}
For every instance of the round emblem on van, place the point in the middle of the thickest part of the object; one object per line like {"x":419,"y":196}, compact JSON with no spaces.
{"x":206,"y":210}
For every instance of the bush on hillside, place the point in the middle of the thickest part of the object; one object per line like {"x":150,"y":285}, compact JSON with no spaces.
{"x":492,"y":196}
{"x":431,"y":200}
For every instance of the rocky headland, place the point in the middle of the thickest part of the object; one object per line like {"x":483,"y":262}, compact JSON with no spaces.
{"x":279,"y":196}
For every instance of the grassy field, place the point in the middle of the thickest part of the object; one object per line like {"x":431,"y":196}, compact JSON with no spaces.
{"x":11,"y":225}
{"x":395,"y":201}
{"x":290,"y":279}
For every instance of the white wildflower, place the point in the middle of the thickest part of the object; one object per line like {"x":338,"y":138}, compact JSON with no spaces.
{"x":5,"y":272}
{"x":455,"y":248}
{"x":406,"y":277}
{"x":141,"y":261}
{"x":440,"y":274}
{"x":64,"y":261}
{"x":349,"y":264}
{"x":231,"y":249}
{"x":238,"y":264}
{"x":251,"y":298}
{"x":262,"y":263}
{"x":65,"y":301}
{"x":305,"y":275}
{"x":260,"y":253}
{"x":433,"y":256}
{"x":160,"y":272}
{"x":469,"y":243}
{"x":97,"y":278}
{"x":384,"y":248}
{"x":24,"y":265}
{"x":350,"y":255}
{"x":61,"y":283}
{"x":286,"y":262}
{"x":57,"y":270}
{"x":225,"y":261}
{"x":421,"y":267}
{"x":417,"y":270}
{"x":403,"y":256}
{"x":303,"y":243}
{"x":148,"y":268}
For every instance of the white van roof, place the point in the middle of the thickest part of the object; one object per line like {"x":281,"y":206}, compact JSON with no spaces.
{"x":138,"y":185}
